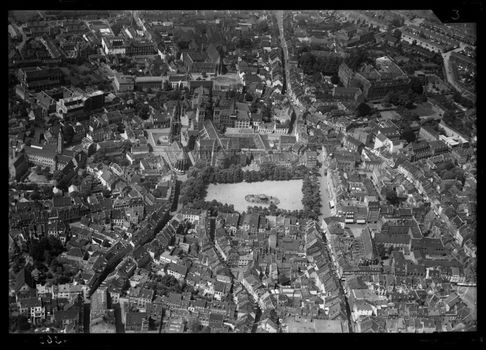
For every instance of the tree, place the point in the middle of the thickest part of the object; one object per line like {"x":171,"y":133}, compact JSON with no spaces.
{"x":409,"y":136}
{"x":55,"y":246}
{"x":397,"y":33}
{"x":262,"y":27}
{"x":194,"y":325}
{"x":335,"y":79}
{"x":306,"y":62}
{"x":416,"y":86}
{"x":363,"y":110}
{"x":397,"y":22}
{"x":357,"y":58}
{"x":143,"y":111}
{"x":35,"y":195}
{"x":121,"y":128}
{"x":19,"y":323}
{"x":316,"y":77}
{"x":169,"y":284}
{"x":392,"y":197}
{"x":57,"y":175}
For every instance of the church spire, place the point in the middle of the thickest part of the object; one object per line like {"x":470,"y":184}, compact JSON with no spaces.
{"x":60,"y":142}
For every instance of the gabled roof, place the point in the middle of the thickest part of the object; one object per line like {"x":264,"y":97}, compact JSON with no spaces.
{"x":65,"y":315}
{"x":181,"y":269}
{"x":21,"y":280}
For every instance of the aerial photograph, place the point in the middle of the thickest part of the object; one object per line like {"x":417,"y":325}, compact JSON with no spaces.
{"x":241,"y":171}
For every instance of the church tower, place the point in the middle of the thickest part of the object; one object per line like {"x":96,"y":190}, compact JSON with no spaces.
{"x":60,"y":142}
{"x":175,"y":122}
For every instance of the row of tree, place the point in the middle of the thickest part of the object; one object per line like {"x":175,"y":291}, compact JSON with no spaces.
{"x":311,"y":199}
{"x":195,"y":187}
{"x":272,"y":209}
{"x":194,"y":190}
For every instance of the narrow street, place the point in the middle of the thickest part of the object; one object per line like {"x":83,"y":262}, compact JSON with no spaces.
{"x":334,"y":269}
{"x":279,"y":15}
{"x":24,"y":39}
{"x":297,"y":106}
{"x":327,"y":212}
{"x":324,"y":192}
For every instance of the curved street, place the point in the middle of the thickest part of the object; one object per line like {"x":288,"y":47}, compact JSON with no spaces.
{"x":451,"y":79}
{"x":24,"y":39}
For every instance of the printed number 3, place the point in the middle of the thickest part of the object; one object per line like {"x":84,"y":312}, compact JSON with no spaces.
{"x":456,"y":15}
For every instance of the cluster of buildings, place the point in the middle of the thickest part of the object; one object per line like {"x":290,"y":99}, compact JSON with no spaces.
{"x":429,"y":39}
{"x":375,"y":81}
{"x":280,"y":264}
{"x":373,"y":241}
{"x":95,"y":176}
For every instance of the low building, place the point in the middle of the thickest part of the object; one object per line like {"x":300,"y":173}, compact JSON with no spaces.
{"x":347,"y":94}
{"x":124,"y":83}
{"x":145,"y":83}
{"x":179,"y":271}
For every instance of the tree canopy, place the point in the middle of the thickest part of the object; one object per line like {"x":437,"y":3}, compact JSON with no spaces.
{"x":409,"y":135}
{"x":356,"y":58}
{"x":335,"y":79}
{"x":363,"y":110}
{"x":397,"y":22}
{"x":312,"y":64}
{"x":397,"y":33}
{"x":416,"y":86}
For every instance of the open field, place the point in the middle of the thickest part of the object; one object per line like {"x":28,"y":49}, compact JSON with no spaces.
{"x":288,"y":192}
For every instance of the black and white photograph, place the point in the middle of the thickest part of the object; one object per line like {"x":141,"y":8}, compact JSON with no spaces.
{"x":241,"y":171}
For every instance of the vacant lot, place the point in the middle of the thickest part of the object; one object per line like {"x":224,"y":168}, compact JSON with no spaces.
{"x":288,"y":192}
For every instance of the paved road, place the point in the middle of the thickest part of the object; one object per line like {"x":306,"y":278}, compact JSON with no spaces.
{"x":297,"y":106}
{"x":279,"y":15}
{"x":325,"y":196}
{"x":450,"y":74}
